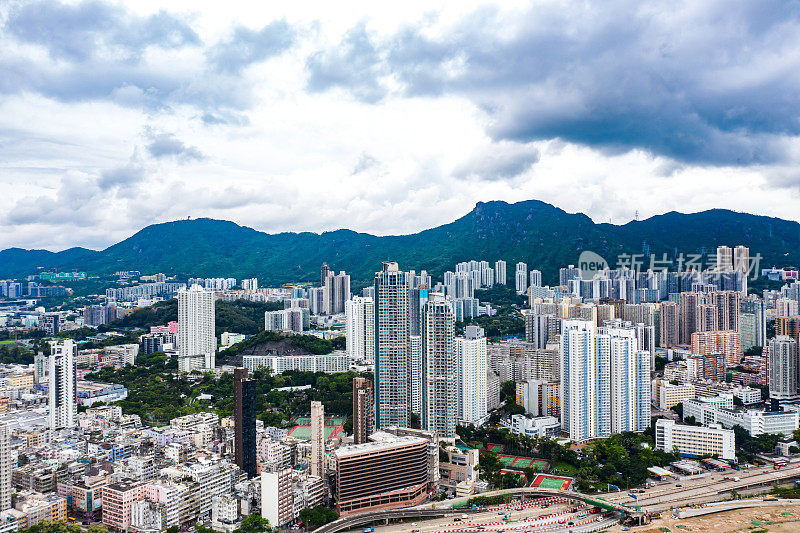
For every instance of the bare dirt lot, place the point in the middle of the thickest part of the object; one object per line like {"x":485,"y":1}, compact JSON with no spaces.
{"x":777,"y":519}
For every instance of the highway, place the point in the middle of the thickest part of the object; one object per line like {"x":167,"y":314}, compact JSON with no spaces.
{"x":667,"y":495}
{"x":663,"y":496}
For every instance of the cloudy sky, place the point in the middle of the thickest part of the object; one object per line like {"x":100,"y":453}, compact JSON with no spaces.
{"x":389,"y":117}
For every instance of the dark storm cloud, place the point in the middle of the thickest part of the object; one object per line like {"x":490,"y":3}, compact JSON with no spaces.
{"x":505,"y":160}
{"x":97,"y":51}
{"x":355,"y":65}
{"x":167,"y":145}
{"x":706,"y":83}
{"x":247,"y":46}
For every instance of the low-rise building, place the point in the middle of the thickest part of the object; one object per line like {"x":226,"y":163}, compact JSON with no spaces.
{"x":665,"y":394}
{"x":540,"y":426}
{"x":695,"y":441}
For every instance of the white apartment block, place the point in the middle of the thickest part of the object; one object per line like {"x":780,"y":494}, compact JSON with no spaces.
{"x":630,"y":379}
{"x":472,"y":368}
{"x":62,"y":390}
{"x":278,"y":364}
{"x":415,"y":342}
{"x":586,"y":390}
{"x":695,"y":441}
{"x":276,"y":497}
{"x":719,"y":410}
{"x":6,"y":467}
{"x":521,"y":278}
{"x":197,"y":344}
{"x":360,"y":328}
{"x":500,"y":272}
{"x":540,"y":426}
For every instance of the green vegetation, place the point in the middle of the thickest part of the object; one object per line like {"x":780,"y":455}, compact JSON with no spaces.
{"x":240,"y":316}
{"x":530,"y":231}
{"x":254,"y":523}
{"x":158,"y":396}
{"x":621,"y":459}
{"x":47,"y":526}
{"x":14,"y":354}
{"x":318,"y":516}
{"x":502,"y":296}
{"x":306,"y":343}
{"x":500,"y":325}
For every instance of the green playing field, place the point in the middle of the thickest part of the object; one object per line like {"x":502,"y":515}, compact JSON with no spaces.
{"x":551,"y":483}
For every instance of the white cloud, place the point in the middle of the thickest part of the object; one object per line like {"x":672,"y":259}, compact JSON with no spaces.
{"x":164,"y":132}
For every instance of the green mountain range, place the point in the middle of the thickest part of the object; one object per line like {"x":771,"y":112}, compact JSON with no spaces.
{"x":543,"y":236}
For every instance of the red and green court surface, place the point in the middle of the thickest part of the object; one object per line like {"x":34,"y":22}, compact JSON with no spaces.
{"x":551,"y":482}
{"x":302,"y":429}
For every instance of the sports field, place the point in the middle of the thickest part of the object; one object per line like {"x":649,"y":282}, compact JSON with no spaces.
{"x":302,"y":428}
{"x":551,"y":482}
{"x":520,"y":463}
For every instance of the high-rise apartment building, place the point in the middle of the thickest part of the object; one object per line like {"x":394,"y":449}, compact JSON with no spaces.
{"x":708,"y":366}
{"x":630,"y":379}
{"x":521,"y":278}
{"x":536,"y":278}
{"x":392,"y":348}
{"x":439,"y":378}
{"x":689,"y":302}
{"x":277,"y":497}
{"x":336,"y":293}
{"x":539,"y":397}
{"x":500,"y":272}
{"x":605,"y":380}
{"x":784,"y":383}
{"x":360,"y":329}
{"x":741,"y":259}
{"x":724,"y":258}
{"x":323,"y":274}
{"x":363,"y":410}
{"x":472,"y":368}
{"x":728,"y":304}
{"x":318,"y":440}
{"x":669,"y":324}
{"x":415,"y":374}
{"x":726,"y":343}
{"x":244,"y":420}
{"x":62,"y":392}
{"x":6,"y":467}
{"x":568,"y":273}
{"x":197,"y":343}
{"x":753,"y":322}
{"x":586,"y":397}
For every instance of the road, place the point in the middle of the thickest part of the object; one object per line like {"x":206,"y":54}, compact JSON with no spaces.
{"x":667,"y":495}
{"x":540,"y":515}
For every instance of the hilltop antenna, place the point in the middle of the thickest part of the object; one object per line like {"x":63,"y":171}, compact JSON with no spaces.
{"x":636,"y":216}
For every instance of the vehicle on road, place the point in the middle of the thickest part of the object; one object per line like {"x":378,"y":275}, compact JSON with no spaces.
{"x":369,"y":530}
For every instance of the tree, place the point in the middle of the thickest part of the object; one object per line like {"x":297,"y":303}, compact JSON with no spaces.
{"x":318,"y":516}
{"x":678,"y":409}
{"x":255,"y":523}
